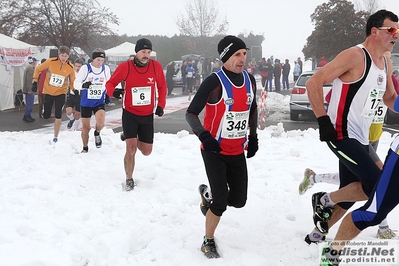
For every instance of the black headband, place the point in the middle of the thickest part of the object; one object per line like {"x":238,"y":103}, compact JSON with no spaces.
{"x":98,"y":54}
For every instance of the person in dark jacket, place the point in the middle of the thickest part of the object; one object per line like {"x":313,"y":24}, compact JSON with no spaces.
{"x":170,"y":72}
{"x":277,"y":74}
{"x":270,"y":68}
{"x":27,"y":90}
{"x":286,"y":73}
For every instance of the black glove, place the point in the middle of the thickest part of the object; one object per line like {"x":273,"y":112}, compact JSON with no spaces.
{"x":34,"y":86}
{"x":118,"y":93}
{"x":326,"y":129}
{"x":76,"y":92}
{"x":252,"y":145}
{"x":86,"y":85}
{"x":159,"y":111}
{"x":209,"y":142}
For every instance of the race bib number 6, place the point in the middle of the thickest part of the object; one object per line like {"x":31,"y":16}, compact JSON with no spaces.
{"x":141,"y":96}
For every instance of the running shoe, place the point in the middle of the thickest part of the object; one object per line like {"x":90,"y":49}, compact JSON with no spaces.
{"x":307,"y":240}
{"x":209,"y":248}
{"x":321,"y":214}
{"x":206,"y":198}
{"x":122,"y":136}
{"x":130,"y":184}
{"x":70,"y":123}
{"x":98,"y":141}
{"x":307,"y":181}
{"x":385,"y":233}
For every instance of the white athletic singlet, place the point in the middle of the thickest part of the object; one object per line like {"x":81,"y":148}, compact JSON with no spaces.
{"x":354,"y":105}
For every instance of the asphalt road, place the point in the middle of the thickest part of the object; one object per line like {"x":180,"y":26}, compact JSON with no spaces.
{"x":11,"y":120}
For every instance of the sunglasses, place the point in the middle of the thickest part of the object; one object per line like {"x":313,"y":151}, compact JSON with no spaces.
{"x":390,"y":30}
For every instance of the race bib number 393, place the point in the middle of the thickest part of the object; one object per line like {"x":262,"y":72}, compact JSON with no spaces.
{"x":235,"y":125}
{"x":95,"y":92}
{"x":141,"y":96}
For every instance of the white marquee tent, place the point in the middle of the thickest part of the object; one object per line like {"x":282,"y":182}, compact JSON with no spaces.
{"x":122,"y":52}
{"x":11,"y":76}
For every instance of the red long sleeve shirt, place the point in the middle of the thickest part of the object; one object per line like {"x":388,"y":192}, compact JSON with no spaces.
{"x":142,"y":86}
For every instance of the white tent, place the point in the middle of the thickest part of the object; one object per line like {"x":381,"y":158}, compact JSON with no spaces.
{"x":122,"y":52}
{"x":11,"y":75}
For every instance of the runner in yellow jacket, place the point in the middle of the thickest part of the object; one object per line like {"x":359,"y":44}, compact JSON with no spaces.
{"x":59,"y":76}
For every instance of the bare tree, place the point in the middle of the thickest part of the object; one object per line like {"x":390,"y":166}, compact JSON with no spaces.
{"x":370,"y":6}
{"x":55,"y":22}
{"x":201,"y":19}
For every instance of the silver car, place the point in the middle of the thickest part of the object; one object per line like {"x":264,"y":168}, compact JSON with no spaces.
{"x":299,"y":101}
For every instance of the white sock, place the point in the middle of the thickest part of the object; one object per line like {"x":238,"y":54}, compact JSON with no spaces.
{"x":326,"y":200}
{"x":315,"y":235}
{"x":70,"y":116}
{"x":384,"y":224}
{"x":330,"y":178}
{"x":76,"y":124}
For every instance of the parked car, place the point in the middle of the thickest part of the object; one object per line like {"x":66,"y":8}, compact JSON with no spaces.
{"x":299,"y":101}
{"x":177,"y":79}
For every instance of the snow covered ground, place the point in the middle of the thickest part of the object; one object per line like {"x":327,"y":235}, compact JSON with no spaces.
{"x":59,"y":207}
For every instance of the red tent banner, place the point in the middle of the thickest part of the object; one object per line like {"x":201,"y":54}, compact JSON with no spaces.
{"x":14,"y":57}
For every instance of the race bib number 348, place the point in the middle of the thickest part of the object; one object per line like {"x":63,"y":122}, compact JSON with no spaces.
{"x":235,"y":125}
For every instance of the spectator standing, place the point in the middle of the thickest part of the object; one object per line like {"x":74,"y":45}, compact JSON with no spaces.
{"x":251,"y":69}
{"x":301,"y":65}
{"x":297,"y":71}
{"x":171,"y":71}
{"x":277,"y":74}
{"x":230,"y":92}
{"x":286,"y":73}
{"x":27,"y":89}
{"x":40,"y":84}
{"x":143,"y":78}
{"x":263,"y":71}
{"x":216,"y":65}
{"x":184,"y":77}
{"x":322,"y":62}
{"x":270,"y":71}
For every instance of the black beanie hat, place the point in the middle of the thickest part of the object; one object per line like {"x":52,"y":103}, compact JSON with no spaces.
{"x":228,"y":46}
{"x":143,"y":44}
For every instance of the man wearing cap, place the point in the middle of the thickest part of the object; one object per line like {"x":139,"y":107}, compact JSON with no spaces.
{"x":27,"y":89}
{"x":144,"y":79}
{"x":60,"y":75}
{"x":90,"y":81}
{"x":228,"y":96}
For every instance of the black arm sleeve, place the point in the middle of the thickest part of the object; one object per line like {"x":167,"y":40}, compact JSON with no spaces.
{"x":253,"y":113}
{"x":209,"y":91}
